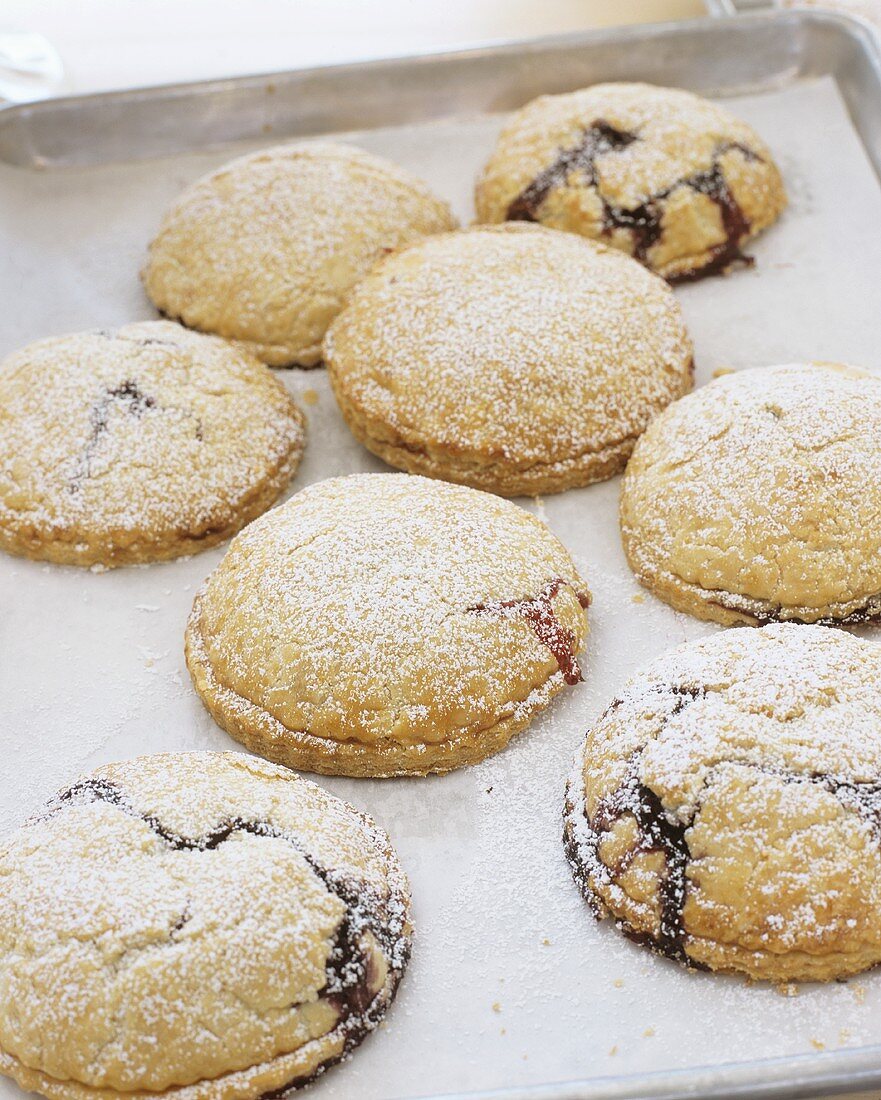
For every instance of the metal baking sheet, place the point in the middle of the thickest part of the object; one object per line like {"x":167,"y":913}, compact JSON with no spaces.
{"x":513,"y":986}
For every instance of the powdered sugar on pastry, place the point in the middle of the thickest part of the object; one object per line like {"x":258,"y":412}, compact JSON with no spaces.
{"x":137,"y":445}
{"x":383,"y":624}
{"x":756,"y":497}
{"x":195,"y":925}
{"x":726,"y":809}
{"x":264,"y":250}
{"x":674,"y":180}
{"x":513,"y":358}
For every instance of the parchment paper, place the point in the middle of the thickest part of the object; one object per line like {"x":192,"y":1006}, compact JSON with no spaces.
{"x":512,"y":982}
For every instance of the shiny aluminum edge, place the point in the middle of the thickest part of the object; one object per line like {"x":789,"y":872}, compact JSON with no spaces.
{"x":714,"y":56}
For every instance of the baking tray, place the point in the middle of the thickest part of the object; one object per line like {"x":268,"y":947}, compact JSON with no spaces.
{"x":512,"y":983}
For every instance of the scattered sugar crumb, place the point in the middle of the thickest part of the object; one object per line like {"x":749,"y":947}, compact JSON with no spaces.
{"x":818,"y":1044}
{"x":310,"y":397}
{"x":648,"y":1033}
{"x":496,"y":1006}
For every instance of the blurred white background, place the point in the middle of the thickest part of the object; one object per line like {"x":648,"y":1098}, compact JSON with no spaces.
{"x":125,"y":43}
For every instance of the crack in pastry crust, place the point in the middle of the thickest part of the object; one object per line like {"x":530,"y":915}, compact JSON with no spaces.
{"x":672,"y":179}
{"x":385,"y":757}
{"x":644,"y":222}
{"x":386,"y":625}
{"x":538,"y":611}
{"x":128,"y":397}
{"x":349,"y":971}
{"x":608,"y":829}
{"x":138,"y":445}
{"x":597,"y":140}
{"x":366,"y":950}
{"x":656,"y":832}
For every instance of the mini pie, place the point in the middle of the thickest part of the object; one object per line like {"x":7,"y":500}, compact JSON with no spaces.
{"x":383,"y":624}
{"x":756,"y":498}
{"x":194,"y":926}
{"x":138,"y":445}
{"x":510,"y":358}
{"x":725,"y":809}
{"x":265,"y":250}
{"x":668,"y":177}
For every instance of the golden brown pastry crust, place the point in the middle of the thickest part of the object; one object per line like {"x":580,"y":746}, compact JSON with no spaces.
{"x":724,"y":809}
{"x":386,"y":625}
{"x":138,"y":445}
{"x":513,"y":359}
{"x":265,"y":250}
{"x":200,"y":926}
{"x":754,"y":499}
{"x":663,"y":174}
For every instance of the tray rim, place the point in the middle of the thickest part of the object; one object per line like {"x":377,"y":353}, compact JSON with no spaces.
{"x":845,"y":27}
{"x":848,"y":1070}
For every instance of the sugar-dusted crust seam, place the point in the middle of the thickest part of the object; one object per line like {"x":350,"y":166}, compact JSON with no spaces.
{"x":259,"y":731}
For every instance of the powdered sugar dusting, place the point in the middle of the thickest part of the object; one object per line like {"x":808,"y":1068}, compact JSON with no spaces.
{"x":481,"y":844}
{"x":185,"y":916}
{"x":759,"y":751}
{"x":761,"y":492}
{"x":265,"y":249}
{"x":141,"y":442}
{"x":350,"y":613}
{"x":512,"y":348}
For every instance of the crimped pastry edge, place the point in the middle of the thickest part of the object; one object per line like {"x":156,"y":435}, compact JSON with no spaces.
{"x":259,"y":731}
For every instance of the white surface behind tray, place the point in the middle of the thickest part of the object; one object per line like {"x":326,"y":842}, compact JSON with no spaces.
{"x":512,"y":981}
{"x":108,"y":45}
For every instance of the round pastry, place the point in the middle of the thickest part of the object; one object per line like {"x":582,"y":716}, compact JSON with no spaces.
{"x":755,"y":498}
{"x":725,"y":809}
{"x":668,"y":177}
{"x":383,"y":625}
{"x":197,"y":926}
{"x":510,"y":358}
{"x":138,"y":445}
{"x":265,"y":250}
